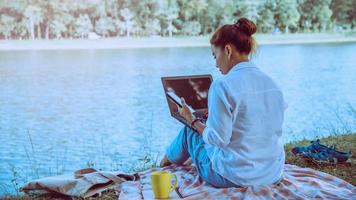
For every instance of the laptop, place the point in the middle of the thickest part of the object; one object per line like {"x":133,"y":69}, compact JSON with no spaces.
{"x":194,"y":89}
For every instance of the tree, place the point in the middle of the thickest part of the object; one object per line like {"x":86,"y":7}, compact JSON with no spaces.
{"x":69,"y":21}
{"x":120,"y":27}
{"x":220,"y":12}
{"x":64,"y":18}
{"x":200,"y":9}
{"x":248,"y":9}
{"x":286,"y":14}
{"x":7,"y":25}
{"x":128,"y":19}
{"x":343,"y":12}
{"x":146,"y":16}
{"x":324,"y":15}
{"x":192,"y":28}
{"x":34,"y":16}
{"x":153,"y":27}
{"x":316,"y":14}
{"x":352,"y":14}
{"x":265,"y":21}
{"x":83,"y":26}
{"x":47,"y":8}
{"x":57,"y":26}
{"x":190,"y":13}
{"x":168,"y":12}
{"x":104,"y":25}
{"x":11,"y":19}
{"x":20,"y":29}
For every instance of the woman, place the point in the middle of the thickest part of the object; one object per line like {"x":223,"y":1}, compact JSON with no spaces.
{"x":240,"y":145}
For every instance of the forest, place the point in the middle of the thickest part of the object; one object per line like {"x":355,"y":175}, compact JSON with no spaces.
{"x":58,"y":19}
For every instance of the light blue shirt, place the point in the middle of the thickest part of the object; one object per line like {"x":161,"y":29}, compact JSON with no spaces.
{"x":243,"y":131}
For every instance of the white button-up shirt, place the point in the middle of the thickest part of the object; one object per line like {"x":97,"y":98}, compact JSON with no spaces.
{"x":243,"y":131}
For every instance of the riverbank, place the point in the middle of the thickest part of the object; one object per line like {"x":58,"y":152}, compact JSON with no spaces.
{"x":343,"y":143}
{"x":165,"y":42}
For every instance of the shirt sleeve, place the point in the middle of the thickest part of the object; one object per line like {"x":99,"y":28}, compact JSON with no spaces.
{"x":285,"y":105}
{"x":218,"y":128}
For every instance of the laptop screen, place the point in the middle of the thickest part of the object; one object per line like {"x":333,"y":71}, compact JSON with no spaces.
{"x":194,"y":89}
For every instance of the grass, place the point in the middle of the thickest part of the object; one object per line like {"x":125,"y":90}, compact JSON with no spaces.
{"x":343,"y":143}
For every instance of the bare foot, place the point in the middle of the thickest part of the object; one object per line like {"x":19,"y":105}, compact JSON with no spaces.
{"x":164,"y":162}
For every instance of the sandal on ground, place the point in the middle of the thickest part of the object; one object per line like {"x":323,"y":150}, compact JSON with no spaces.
{"x":322,"y":154}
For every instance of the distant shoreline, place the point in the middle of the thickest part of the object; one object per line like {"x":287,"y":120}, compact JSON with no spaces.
{"x":164,"y":42}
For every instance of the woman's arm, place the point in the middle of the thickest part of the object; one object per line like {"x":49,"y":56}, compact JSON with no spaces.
{"x":199,"y":126}
{"x":187,"y":115}
{"x":218,"y":130}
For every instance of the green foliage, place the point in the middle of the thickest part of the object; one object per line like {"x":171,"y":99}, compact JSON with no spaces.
{"x":191,"y":28}
{"x":315,"y":15}
{"x":105,"y":25}
{"x":37,"y":19}
{"x":7,"y":25}
{"x":83,"y":25}
{"x":344,"y":13}
{"x":286,"y":14}
{"x":266,"y":21}
{"x":57,"y":27}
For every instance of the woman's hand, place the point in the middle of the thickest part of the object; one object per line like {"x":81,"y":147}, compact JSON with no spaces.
{"x":184,"y":111}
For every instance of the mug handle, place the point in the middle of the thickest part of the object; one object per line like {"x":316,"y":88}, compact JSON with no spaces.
{"x":175,"y":182}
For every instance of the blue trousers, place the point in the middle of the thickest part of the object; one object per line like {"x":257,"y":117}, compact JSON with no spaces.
{"x":189,"y":143}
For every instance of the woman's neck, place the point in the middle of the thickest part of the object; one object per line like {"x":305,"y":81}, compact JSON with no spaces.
{"x":238,"y":59}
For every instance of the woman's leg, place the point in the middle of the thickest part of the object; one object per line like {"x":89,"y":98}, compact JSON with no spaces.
{"x":177,"y":152}
{"x":206,"y":172}
{"x":187,"y":144}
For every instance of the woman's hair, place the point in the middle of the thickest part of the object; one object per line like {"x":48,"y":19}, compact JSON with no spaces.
{"x":238,"y":34}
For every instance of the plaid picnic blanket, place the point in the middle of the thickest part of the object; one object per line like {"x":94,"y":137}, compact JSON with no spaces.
{"x":297,"y":183}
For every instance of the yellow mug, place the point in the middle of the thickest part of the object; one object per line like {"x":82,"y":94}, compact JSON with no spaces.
{"x":161,"y":184}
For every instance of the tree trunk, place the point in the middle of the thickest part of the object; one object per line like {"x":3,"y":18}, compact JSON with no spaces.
{"x":39,"y":31}
{"x":70,"y":31}
{"x":32,"y":28}
{"x":170,"y":29}
{"x":47,"y":31}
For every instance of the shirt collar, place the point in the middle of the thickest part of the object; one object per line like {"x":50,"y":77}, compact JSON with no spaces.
{"x":242,"y":65}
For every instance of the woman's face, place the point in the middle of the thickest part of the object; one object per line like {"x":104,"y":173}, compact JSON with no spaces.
{"x":221,"y":58}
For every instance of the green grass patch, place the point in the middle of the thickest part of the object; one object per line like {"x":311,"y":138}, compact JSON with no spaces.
{"x":342,"y":142}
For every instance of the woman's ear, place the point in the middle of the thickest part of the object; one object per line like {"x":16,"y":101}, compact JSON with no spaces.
{"x":228,"y":50}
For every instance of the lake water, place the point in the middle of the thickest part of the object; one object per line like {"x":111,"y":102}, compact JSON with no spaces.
{"x":64,"y":110}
